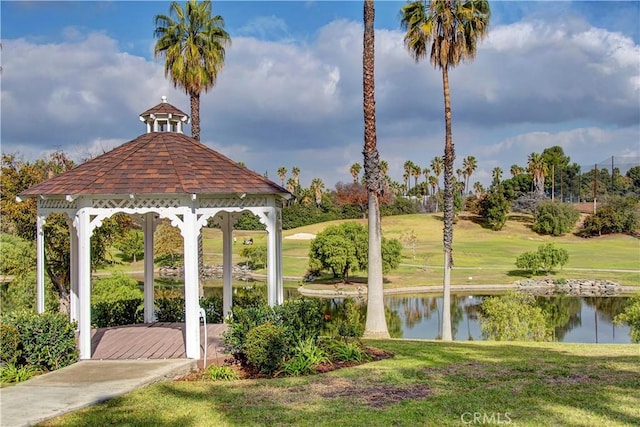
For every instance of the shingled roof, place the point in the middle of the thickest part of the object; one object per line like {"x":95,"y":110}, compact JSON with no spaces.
{"x":163,"y":108}
{"x":158,"y":163}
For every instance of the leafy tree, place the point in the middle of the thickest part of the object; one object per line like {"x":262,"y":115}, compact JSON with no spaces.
{"x":131,"y":245}
{"x":513,"y":317}
{"x":634,"y":175}
{"x":618,"y":215}
{"x":494,"y":208}
{"x":256,"y":254}
{"x":453,"y":29}
{"x":631,"y":316}
{"x":343,"y":249}
{"x":248,"y":221}
{"x":554,"y":218}
{"x":545,"y":259}
{"x":193,"y":43}
{"x":168,"y":243}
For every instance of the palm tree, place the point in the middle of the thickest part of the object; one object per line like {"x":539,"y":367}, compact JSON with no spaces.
{"x":405,"y":178}
{"x":478,"y":189}
{"x":376,"y":323}
{"x":437,"y":165}
{"x":291,"y":185}
{"x":193,"y":43}
{"x":433,"y":182}
{"x":496,"y":175}
{"x":282,"y":173}
{"x":355,"y":171}
{"x":452,"y":27}
{"x":426,"y":171}
{"x":416,"y":172}
{"x":538,"y":171}
{"x":470,"y":164}
{"x":408,"y":170}
{"x":296,"y":175}
{"x":516,"y":170}
{"x":316,"y":187}
{"x":384,"y":167}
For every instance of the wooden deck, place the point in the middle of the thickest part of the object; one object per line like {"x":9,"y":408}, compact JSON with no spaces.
{"x":153,"y":341}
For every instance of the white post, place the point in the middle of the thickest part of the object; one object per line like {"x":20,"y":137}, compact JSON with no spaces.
{"x":227,"y":263}
{"x":279,"y":284}
{"x":40,"y":263}
{"x":272,"y":268}
{"x":73,"y":296}
{"x":84,"y":284}
{"x":191,"y":306}
{"x":149,"y":303}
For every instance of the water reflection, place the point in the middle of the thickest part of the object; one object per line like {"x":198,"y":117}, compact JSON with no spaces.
{"x":572,"y":319}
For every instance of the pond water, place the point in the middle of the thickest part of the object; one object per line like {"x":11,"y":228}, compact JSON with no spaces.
{"x":419,"y":316}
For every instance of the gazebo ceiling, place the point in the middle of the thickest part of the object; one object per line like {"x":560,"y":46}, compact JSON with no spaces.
{"x":158,"y":163}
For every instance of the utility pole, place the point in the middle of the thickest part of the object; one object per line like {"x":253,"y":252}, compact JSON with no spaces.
{"x":595,"y":186}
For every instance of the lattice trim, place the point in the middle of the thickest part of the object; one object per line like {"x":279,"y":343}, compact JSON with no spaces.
{"x":233,"y":202}
{"x":155,"y":202}
{"x":56,"y":204}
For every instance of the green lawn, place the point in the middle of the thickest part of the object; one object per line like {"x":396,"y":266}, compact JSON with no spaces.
{"x":426,"y":383}
{"x":488,"y":257}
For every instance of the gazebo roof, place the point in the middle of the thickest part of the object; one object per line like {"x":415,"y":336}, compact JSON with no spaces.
{"x":163,"y":108}
{"x":158,"y":163}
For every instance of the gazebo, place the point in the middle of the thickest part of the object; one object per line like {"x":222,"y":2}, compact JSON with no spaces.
{"x":160,"y":174}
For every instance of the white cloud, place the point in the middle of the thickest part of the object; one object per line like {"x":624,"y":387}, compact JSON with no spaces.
{"x":533,"y":84}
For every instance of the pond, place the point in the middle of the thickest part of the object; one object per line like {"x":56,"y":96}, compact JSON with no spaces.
{"x":418,"y":316}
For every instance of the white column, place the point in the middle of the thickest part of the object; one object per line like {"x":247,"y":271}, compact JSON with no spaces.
{"x":149,"y":304}
{"x":227,"y":263}
{"x":279,"y":278}
{"x":40,"y":263}
{"x":73,"y":295}
{"x":272,"y":267}
{"x":84,"y":284}
{"x":191,"y":306}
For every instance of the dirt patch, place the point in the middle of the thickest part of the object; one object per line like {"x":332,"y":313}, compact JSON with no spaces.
{"x":373,"y":395}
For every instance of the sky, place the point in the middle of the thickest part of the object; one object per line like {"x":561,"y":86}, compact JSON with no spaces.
{"x":77,"y":75}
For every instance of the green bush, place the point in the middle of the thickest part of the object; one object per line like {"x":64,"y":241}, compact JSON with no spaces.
{"x":545,"y":259}
{"x":494,"y":208}
{"x":306,"y":357}
{"x":221,"y":373}
{"x":10,"y":373}
{"x":169,"y":308}
{"x":9,"y":342}
{"x":20,"y":294}
{"x":347,"y":321}
{"x":241,"y":322}
{"x":346,"y":351}
{"x":116,"y":300}
{"x":256,"y":254}
{"x":213,"y":308}
{"x":265,"y":347}
{"x":631,"y":316}
{"x":47,"y":341}
{"x":513,"y":317}
{"x":301,"y":319}
{"x":554,"y":218}
{"x":619,"y":215}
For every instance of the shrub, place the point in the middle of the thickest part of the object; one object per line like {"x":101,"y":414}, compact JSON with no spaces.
{"x":494,"y":208}
{"x":118,"y":312}
{"x":241,"y":322}
{"x":631,"y":316}
{"x":306,"y":357}
{"x":619,"y":215}
{"x":9,"y":341}
{"x":256,"y":254}
{"x":301,"y":319}
{"x":265,"y":347}
{"x":10,"y":373}
{"x":347,"y":322}
{"x":221,"y":373}
{"x":554,"y":218}
{"x":169,"y":306}
{"x":213,"y":308}
{"x":20,"y":294}
{"x":513,"y":317}
{"x":346,"y":351}
{"x":545,"y":259}
{"x":47,"y":341}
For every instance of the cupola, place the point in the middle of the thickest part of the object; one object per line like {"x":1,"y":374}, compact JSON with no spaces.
{"x":164,"y":117}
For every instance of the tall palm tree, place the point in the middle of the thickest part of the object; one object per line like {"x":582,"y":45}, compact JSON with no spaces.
{"x":355,"y":171}
{"x":478,"y":189}
{"x":296,"y":174}
{"x":433,"y":182}
{"x":437,"y":165}
{"x":193,"y":43}
{"x":426,"y":171}
{"x":538,"y":171}
{"x":316,"y":187}
{"x":291,"y":185}
{"x":384,"y":167}
{"x":452,"y":28}
{"x":408,"y":170}
{"x":469,"y":164}
{"x":496,"y":174}
{"x":376,"y":323}
{"x":516,"y":170}
{"x":416,"y":172}
{"x":282,"y":173}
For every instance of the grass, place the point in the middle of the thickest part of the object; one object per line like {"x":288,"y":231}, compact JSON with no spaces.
{"x":488,"y":257}
{"x":427,"y":383}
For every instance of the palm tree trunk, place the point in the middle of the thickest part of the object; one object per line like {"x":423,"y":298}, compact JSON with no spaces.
{"x":449,"y":156}
{"x":195,"y":116}
{"x":376,"y":323}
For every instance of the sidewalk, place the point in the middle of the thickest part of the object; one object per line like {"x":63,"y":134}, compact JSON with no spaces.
{"x":80,"y":385}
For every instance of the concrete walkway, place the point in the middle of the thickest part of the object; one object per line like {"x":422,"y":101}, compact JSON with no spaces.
{"x":80,"y":385}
